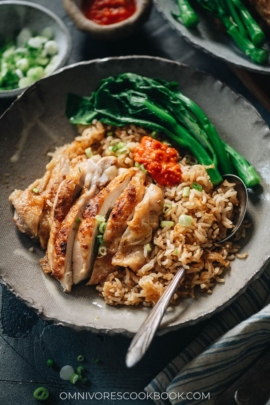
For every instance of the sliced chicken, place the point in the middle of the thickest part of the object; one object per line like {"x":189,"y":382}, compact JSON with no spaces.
{"x":98,"y":175}
{"x":140,"y":230}
{"x":36,"y":221}
{"x":117,"y":224}
{"x":29,"y":205}
{"x":83,"y":251}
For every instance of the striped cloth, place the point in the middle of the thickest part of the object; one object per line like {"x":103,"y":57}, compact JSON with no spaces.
{"x":228,"y":345}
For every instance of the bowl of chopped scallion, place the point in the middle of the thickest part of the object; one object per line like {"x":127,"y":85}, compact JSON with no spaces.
{"x":34,"y":43}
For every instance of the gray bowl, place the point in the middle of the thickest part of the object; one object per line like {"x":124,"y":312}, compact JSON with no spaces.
{"x":15,"y":15}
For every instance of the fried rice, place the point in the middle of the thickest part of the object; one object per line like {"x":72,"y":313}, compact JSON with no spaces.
{"x":194,"y":247}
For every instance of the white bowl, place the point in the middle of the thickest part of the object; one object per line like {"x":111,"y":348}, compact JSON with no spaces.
{"x":15,"y":15}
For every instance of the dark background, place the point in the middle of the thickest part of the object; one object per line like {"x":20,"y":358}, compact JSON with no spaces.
{"x":26,"y":341}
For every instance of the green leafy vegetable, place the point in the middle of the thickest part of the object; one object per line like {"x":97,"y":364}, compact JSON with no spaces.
{"x":159,"y":106}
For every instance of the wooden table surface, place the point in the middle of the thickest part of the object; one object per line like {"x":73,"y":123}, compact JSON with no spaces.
{"x":26,"y":341}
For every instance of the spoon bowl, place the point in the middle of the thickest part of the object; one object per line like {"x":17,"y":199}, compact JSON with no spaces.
{"x":146,"y":333}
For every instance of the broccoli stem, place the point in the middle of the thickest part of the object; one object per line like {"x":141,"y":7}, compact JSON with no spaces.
{"x":243,"y":168}
{"x":257,"y":36}
{"x":224,"y":162}
{"x":187,"y":14}
{"x":258,"y":55}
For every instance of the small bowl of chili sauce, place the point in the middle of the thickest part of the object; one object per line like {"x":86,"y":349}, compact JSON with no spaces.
{"x":108,"y":19}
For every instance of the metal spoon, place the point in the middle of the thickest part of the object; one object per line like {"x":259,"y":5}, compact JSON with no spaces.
{"x":145,"y":334}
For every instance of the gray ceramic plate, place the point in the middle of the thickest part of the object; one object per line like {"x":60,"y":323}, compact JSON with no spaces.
{"x":36,"y":123}
{"x":207,"y":38}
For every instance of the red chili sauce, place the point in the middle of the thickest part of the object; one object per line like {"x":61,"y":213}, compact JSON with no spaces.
{"x":106,"y":12}
{"x":160,"y":160}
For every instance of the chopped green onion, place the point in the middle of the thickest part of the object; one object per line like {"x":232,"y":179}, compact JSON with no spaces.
{"x":154,"y":134}
{"x":109,"y":133}
{"x":96,"y":361}
{"x":100,"y":239}
{"x":102,"y":227}
{"x":196,"y":186}
{"x":80,"y":170}
{"x":186,"y":191}
{"x":167,"y":143}
{"x":41,"y":394}
{"x":100,"y":219}
{"x":102,"y":251}
{"x":185,"y":220}
{"x":74,"y":378}
{"x":143,"y":169}
{"x":80,"y":370}
{"x":146,"y":249}
{"x":35,"y":190}
{"x":78,"y":220}
{"x":167,"y":208}
{"x":50,"y":362}
{"x":80,"y":358}
{"x":137,"y":164}
{"x":165,"y":224}
{"x":88,"y":152}
{"x":176,"y":252}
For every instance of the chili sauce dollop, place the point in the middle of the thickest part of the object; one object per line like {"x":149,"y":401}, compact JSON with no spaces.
{"x":160,"y":160}
{"x":106,"y":12}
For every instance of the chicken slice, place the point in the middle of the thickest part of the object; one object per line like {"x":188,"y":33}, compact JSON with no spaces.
{"x":29,"y":206}
{"x":98,"y":175}
{"x":140,"y":230}
{"x":101,"y":204}
{"x":116,"y":225}
{"x":36,"y":221}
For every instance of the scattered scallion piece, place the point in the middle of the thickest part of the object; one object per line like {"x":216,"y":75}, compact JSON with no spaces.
{"x":80,"y":358}
{"x":41,"y":394}
{"x":176,"y":252}
{"x":167,"y":208}
{"x":166,"y":224}
{"x":185,"y":220}
{"x":100,"y":239}
{"x":50,"y":362}
{"x":137,"y":164}
{"x":100,"y":219}
{"x":102,"y":251}
{"x":186,"y":191}
{"x":102,"y":227}
{"x":88,"y":152}
{"x":80,"y":370}
{"x":78,"y":220}
{"x":143,"y":169}
{"x":35,"y":190}
{"x":74,"y":378}
{"x":154,"y":134}
{"x":109,"y":134}
{"x":196,"y":186}
{"x":85,"y":381}
{"x":96,"y":360}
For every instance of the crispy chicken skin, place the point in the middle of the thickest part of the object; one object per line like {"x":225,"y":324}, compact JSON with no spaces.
{"x":83,"y":251}
{"x":263,"y":8}
{"x":140,"y":229}
{"x":116,"y":225}
{"x":36,"y":221}
{"x":64,"y":239}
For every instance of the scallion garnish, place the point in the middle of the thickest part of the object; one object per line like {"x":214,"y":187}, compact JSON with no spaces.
{"x":85,"y":381}
{"x":143,"y":169}
{"x":35,"y":190}
{"x":154,"y":134}
{"x":50,"y":362}
{"x":186,"y":191}
{"x":109,"y":134}
{"x":137,"y":164}
{"x":166,"y":208}
{"x":80,"y":358}
{"x":185,"y":220}
{"x":80,"y":370}
{"x":102,"y":227}
{"x":88,"y":152}
{"x":166,"y":224}
{"x":100,"y":219}
{"x":96,"y":361}
{"x":102,"y":251}
{"x":74,"y":378}
{"x":78,"y":220}
{"x":100,"y":239}
{"x":196,"y":186}
{"x":41,"y":394}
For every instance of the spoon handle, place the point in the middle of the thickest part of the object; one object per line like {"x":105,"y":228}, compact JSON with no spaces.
{"x":145,"y":334}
